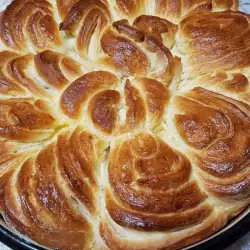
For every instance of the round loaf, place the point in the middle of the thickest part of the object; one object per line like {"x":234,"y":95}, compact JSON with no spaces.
{"x":124,"y":125}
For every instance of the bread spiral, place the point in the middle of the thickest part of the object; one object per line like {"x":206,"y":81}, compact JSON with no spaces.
{"x":86,"y":19}
{"x":220,"y":133}
{"x":151,"y":190}
{"x":97,"y":91}
{"x":29,"y":24}
{"x":229,"y":32}
{"x":121,"y":44}
{"x":33,"y":196}
{"x":124,"y":124}
{"x":176,"y":9}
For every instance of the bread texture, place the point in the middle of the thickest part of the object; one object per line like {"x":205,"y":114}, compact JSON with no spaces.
{"x":124,"y":125}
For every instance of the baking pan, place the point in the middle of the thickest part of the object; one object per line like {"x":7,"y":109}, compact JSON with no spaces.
{"x":235,"y":229}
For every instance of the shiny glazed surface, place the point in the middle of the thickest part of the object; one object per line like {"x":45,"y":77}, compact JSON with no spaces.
{"x":123,"y":124}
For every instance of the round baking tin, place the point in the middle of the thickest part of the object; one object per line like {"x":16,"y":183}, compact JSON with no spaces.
{"x":236,"y":228}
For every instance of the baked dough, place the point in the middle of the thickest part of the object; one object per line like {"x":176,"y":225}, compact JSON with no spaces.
{"x":124,"y":124}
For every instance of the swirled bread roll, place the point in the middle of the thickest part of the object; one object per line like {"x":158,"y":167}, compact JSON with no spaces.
{"x":33,"y":197}
{"x":29,"y":23}
{"x":86,"y":20}
{"x":20,"y":73}
{"x":151,"y":190}
{"x":96,"y":95}
{"x":124,"y":124}
{"x":177,"y":9}
{"x":121,"y":44}
{"x":219,"y":134}
{"x":215,"y":41}
{"x":25,"y":120}
{"x":56,"y":69}
{"x":162,"y":29}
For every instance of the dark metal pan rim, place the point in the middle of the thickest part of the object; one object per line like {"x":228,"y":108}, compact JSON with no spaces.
{"x":236,"y":229}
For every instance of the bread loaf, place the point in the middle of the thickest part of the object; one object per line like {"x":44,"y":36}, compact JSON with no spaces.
{"x":124,"y":124}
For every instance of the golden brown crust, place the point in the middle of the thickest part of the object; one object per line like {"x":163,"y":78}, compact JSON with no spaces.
{"x":55,"y":68}
{"x":16,"y":69}
{"x":84,"y":20}
{"x":161,"y":28}
{"x":156,"y":98}
{"x":94,"y":94}
{"x":102,"y":109}
{"x":81,"y":89}
{"x":151,"y":190}
{"x":177,"y":9}
{"x":7,"y":86}
{"x":225,"y":4}
{"x":124,"y":53}
{"x":25,"y":120}
{"x":18,"y":76}
{"x":136,"y":155}
{"x":219,"y":132}
{"x":123,"y":124}
{"x":74,"y":150}
{"x":104,"y":113}
{"x":45,"y":212}
{"x":228,"y":82}
{"x":131,"y":8}
{"x":204,"y":38}
{"x":114,"y":240}
{"x":121,"y":44}
{"x":64,"y":7}
{"x":32,"y":20}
